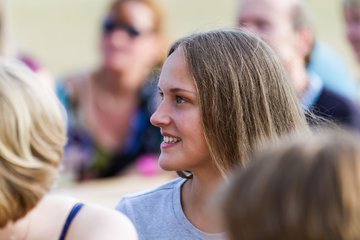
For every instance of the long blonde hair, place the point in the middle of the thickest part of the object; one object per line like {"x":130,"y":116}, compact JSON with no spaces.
{"x":32,"y":135}
{"x":244,"y":93}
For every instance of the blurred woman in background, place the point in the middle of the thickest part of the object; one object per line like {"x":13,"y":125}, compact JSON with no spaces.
{"x":109,"y":108}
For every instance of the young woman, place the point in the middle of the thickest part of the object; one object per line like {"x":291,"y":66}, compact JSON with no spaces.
{"x":223,"y":95}
{"x":32,"y":136}
{"x":305,"y":188}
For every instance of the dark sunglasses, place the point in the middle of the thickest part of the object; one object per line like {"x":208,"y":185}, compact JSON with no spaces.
{"x":111,"y":25}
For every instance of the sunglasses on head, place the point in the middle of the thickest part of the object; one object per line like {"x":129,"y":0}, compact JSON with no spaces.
{"x":111,"y":25}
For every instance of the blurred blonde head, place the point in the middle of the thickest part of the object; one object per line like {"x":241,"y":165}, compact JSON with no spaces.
{"x":32,"y":135}
{"x":304,"y":188}
{"x":245,"y":97}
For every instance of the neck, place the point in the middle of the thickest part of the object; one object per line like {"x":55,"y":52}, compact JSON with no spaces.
{"x":198,"y":201}
{"x":201,"y":188}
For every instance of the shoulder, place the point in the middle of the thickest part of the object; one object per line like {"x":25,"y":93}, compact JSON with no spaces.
{"x":49,"y":216}
{"x":57,"y":204}
{"x":154,"y":210}
{"x":164,"y":189}
{"x":72,"y":84}
{"x":339,"y":108}
{"x":335,"y":101}
{"x":91,"y":222}
{"x":96,"y":222}
{"x":155,"y":201}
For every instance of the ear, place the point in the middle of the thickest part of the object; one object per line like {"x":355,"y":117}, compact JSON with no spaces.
{"x":305,"y":41}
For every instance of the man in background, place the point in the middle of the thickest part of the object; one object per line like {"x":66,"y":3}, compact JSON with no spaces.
{"x":285,"y":26}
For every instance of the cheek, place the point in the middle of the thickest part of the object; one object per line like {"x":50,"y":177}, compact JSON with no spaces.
{"x":108,"y":41}
{"x":281,"y":49}
{"x":108,"y":49}
{"x":196,"y":149}
{"x":285,"y":47}
{"x":104,"y":44}
{"x":198,"y":142}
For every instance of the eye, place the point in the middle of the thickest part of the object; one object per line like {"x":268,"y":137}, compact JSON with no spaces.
{"x":180,"y":100}
{"x":243,"y":24}
{"x":262,"y":25}
{"x":161,"y":94}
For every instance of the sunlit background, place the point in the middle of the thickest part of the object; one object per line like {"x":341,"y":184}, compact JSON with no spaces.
{"x":63,"y":34}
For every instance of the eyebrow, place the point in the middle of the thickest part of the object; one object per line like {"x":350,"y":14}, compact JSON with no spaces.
{"x":177,"y":90}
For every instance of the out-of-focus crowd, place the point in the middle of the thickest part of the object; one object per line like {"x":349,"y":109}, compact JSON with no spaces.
{"x":260,"y":122}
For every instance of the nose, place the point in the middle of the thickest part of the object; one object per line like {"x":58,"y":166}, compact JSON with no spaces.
{"x":161,"y":116}
{"x":119,"y":38}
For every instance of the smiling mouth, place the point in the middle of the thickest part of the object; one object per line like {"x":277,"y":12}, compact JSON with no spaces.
{"x":171,"y":139}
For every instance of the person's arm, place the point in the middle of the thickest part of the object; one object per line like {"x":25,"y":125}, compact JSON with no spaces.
{"x":94,"y":222}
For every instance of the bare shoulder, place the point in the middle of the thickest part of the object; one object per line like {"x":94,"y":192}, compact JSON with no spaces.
{"x":91,"y":222}
{"x":96,"y":222}
{"x":49,"y":216}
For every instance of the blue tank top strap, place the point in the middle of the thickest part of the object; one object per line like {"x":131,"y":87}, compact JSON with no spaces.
{"x":74,"y":211}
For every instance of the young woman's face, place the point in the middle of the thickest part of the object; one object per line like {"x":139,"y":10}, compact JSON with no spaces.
{"x":178,"y":117}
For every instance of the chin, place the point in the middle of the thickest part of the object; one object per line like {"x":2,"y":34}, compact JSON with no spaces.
{"x":167,"y":164}
{"x":114,"y":68}
{"x":114,"y":64}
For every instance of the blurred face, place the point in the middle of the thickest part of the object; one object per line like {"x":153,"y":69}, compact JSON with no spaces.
{"x":128,"y":42}
{"x":178,"y":117}
{"x":272,"y":21}
{"x":352,"y":20}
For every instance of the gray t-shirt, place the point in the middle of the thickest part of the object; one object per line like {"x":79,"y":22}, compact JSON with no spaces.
{"x":157,"y":214}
